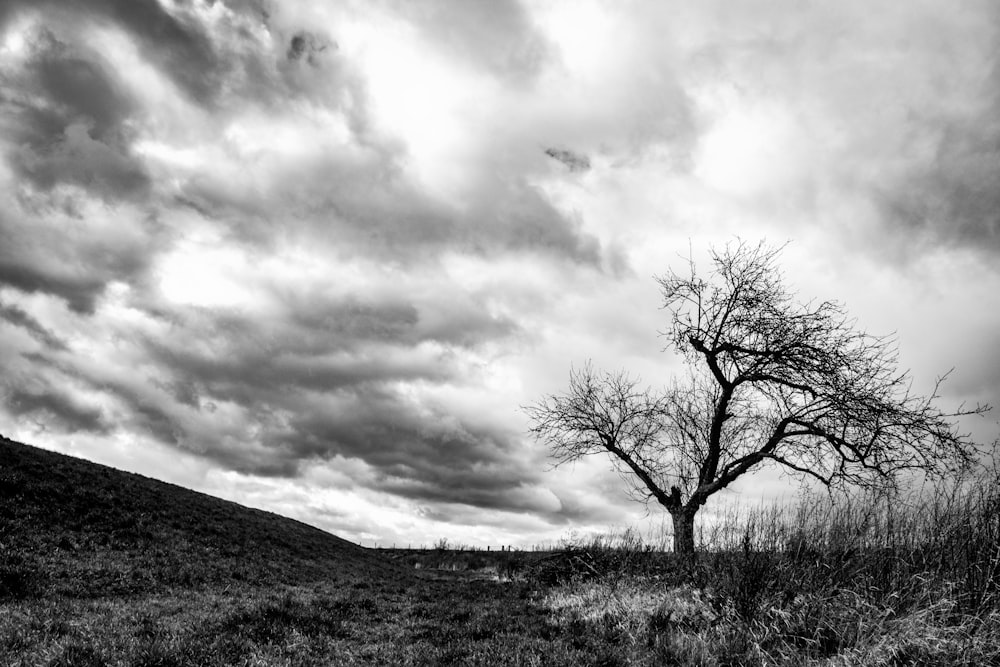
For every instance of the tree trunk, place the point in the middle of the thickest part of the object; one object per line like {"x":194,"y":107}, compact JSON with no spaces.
{"x":683,"y":531}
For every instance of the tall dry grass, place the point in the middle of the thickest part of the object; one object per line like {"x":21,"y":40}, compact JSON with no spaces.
{"x":893,"y":546}
{"x":861,"y":578}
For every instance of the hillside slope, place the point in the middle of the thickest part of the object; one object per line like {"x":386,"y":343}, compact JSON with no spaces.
{"x":71,"y":527}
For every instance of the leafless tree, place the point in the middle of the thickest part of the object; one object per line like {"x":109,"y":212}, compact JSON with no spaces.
{"x":768,"y":381}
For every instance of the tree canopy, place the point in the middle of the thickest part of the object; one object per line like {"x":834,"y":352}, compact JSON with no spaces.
{"x":768,"y":380}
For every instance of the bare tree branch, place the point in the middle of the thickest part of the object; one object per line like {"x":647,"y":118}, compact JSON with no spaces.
{"x":769,"y":381}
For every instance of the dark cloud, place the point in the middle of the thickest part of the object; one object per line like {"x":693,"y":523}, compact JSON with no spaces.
{"x":395,"y":435}
{"x":923,"y":116}
{"x":52,"y":407}
{"x":234,"y":58}
{"x":184,"y":391}
{"x":48,"y":245}
{"x":948,"y":191}
{"x":78,"y":158}
{"x":264,"y":367}
{"x":239,"y":57}
{"x":955,"y":198}
{"x":498,"y":488}
{"x":73,"y":122}
{"x":418,"y":453}
{"x":324,"y":383}
{"x":372,"y":207}
{"x":20,"y":318}
{"x":574,"y":161}
{"x":179,"y":45}
{"x":589,"y":506}
{"x":73,"y":84}
{"x":305,"y":46}
{"x":80,"y":292}
{"x":150,"y":416}
{"x":455,"y":320}
{"x":66,"y":120}
{"x":341,"y":352}
{"x":323,"y":346}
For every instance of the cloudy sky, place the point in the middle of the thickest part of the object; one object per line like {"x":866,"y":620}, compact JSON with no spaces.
{"x":313,"y":256}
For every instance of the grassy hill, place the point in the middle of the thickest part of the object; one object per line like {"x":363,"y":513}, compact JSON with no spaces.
{"x":100,"y":567}
{"x":69,"y":527}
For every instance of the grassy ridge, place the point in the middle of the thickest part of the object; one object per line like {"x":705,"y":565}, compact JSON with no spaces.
{"x":99,"y":567}
{"x":69,"y":527}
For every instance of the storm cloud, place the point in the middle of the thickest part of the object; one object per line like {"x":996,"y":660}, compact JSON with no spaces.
{"x":314,"y":256}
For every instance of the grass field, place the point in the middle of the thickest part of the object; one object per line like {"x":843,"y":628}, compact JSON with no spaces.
{"x":100,"y":567}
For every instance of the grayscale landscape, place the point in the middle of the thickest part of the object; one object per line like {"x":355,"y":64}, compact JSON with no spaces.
{"x":507,"y":332}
